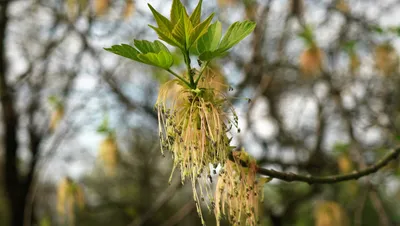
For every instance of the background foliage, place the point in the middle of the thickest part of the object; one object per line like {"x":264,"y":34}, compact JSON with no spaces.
{"x":323,"y":80}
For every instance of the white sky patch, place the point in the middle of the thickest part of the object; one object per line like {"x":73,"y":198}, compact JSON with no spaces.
{"x":85,"y":82}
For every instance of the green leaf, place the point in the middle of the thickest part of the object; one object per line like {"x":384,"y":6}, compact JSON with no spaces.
{"x":308,"y":35}
{"x":153,"y":53}
{"x":104,"y":126}
{"x":340,"y":148}
{"x":349,"y":46}
{"x":124,"y":50}
{"x":200,"y":30}
{"x":209,"y":55}
{"x":167,"y":37}
{"x":182,"y":30}
{"x":163,"y":59}
{"x":377,"y":29}
{"x":145,"y":46}
{"x":53,"y":100}
{"x":236,"y":32}
{"x":196,"y":15}
{"x":163,"y":23}
{"x":210,"y":40}
{"x":398,"y":137}
{"x":176,"y":11}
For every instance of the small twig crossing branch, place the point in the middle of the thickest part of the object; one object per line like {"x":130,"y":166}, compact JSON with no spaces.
{"x":290,"y":177}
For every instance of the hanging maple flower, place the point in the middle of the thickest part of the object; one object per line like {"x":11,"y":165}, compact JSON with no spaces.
{"x":344,"y":163}
{"x":354,"y":63}
{"x":386,"y":59}
{"x":108,"y":154}
{"x":239,"y":191}
{"x":194,"y":112}
{"x":214,"y":78}
{"x":69,"y":196}
{"x":75,"y":8}
{"x":101,"y":7}
{"x":224,"y":3}
{"x":354,"y":59}
{"x":57,"y":112}
{"x":56,"y":117}
{"x":129,"y":9}
{"x":311,"y":61}
{"x":328,"y":213}
{"x":342,"y":6}
{"x":193,"y":126}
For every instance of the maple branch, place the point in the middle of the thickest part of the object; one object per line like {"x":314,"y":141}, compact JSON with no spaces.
{"x":290,"y":177}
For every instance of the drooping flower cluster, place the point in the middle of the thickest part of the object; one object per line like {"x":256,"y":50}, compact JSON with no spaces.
{"x":328,"y":213}
{"x":109,"y":154}
{"x":239,"y":190}
{"x":193,"y":125}
{"x":69,"y":196}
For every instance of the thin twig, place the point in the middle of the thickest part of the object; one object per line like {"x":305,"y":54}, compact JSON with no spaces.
{"x":290,"y":177}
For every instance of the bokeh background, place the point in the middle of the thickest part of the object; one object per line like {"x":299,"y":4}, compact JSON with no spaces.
{"x":323,"y":102}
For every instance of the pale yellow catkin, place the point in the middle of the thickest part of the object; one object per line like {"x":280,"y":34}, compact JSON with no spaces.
{"x":108,"y":154}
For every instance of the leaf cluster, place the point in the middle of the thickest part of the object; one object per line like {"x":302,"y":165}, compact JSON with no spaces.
{"x":189,"y":34}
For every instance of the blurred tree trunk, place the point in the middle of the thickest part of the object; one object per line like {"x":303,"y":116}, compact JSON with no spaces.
{"x":16,"y":185}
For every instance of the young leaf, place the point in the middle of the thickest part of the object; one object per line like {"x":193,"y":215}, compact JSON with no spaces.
{"x":236,"y":32}
{"x":349,"y":46}
{"x":153,"y":53}
{"x":125,"y":50}
{"x":162,"y":59}
{"x":308,"y":36}
{"x":182,"y":29}
{"x":176,"y":11}
{"x":208,"y":45}
{"x":163,"y":23}
{"x":195,"y":17}
{"x":167,"y":37}
{"x":145,"y":46}
{"x":377,"y":29}
{"x":210,"y":40}
{"x":199,"y":30}
{"x":209,"y":55}
{"x":104,"y":126}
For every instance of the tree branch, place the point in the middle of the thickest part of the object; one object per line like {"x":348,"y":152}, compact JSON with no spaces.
{"x":290,"y":177}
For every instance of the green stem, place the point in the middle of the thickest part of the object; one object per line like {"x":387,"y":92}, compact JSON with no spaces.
{"x":180,"y":78}
{"x":201,"y":73}
{"x":189,"y":69}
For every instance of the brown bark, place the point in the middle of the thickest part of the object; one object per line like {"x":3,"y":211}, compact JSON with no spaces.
{"x":16,"y":186}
